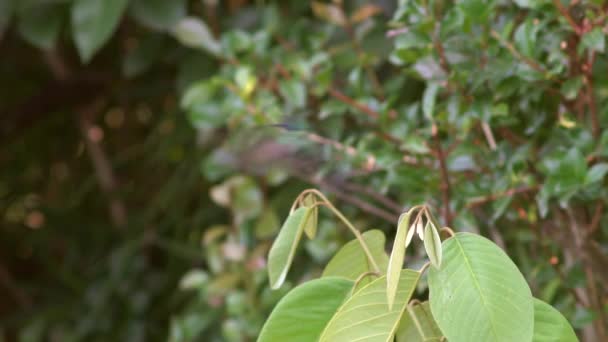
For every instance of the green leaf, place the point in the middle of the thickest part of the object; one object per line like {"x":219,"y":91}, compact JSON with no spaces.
{"x":284,"y":247}
{"x":193,"y":32}
{"x":366,"y":316}
{"x":303,"y":313}
{"x":571,"y":87}
{"x":429,"y":99}
{"x":596,"y":173}
{"x":418,"y":325}
{"x":268,"y":224}
{"x":550,"y":325}
{"x":432,"y":244}
{"x":350,"y":261}
{"x":594,"y":40}
{"x":525,"y":37}
{"x":294,"y":92}
{"x":158,"y":14}
{"x":310,"y":227}
{"x":40,"y":25}
{"x":566,"y":174}
{"x":395,"y":263}
{"x":478,"y":294}
{"x":93,"y":23}
{"x":7,"y":7}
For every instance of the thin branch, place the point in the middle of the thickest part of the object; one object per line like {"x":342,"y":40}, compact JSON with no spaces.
{"x":345,"y":196}
{"x":568,"y":17}
{"x":445,"y":177}
{"x":101,"y":163}
{"x":487,"y":131}
{"x":385,"y":200}
{"x":477,"y":201}
{"x":340,"y":96}
{"x":591,"y":102}
{"x":595,"y":220}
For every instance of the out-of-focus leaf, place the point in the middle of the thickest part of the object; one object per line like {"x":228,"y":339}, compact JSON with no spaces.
{"x":158,"y":14}
{"x":193,"y":32}
{"x":395,"y":263}
{"x":428,"y":100}
{"x":93,"y":23}
{"x":40,"y":25}
{"x":7,"y":8}
{"x":367,"y":316}
{"x":596,"y":173}
{"x":294,"y":92}
{"x":418,"y":325}
{"x":329,"y":12}
{"x":268,"y":224}
{"x":415,"y":144}
{"x":284,"y":247}
{"x":571,"y":87}
{"x":477,"y":277}
{"x":550,"y":324}
{"x":525,"y":37}
{"x":304,"y":312}
{"x":194,"y":279}
{"x":594,"y":40}
{"x":364,"y":12}
{"x":350,"y":261}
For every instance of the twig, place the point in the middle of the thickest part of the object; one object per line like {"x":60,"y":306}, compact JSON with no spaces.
{"x":340,"y":96}
{"x":487,"y":131}
{"x":595,"y":220}
{"x":567,"y":16}
{"x":477,"y":201}
{"x":353,"y":200}
{"x":445,"y":178}
{"x":595,"y":122}
{"x":101,"y":163}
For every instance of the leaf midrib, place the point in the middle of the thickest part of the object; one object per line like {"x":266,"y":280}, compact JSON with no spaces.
{"x":477,"y":286}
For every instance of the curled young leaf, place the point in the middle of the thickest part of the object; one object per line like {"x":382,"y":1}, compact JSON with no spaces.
{"x":310,"y":224}
{"x":432,"y":244}
{"x":410,"y":234}
{"x":395,"y":263}
{"x":284,"y":247}
{"x":420,"y":229}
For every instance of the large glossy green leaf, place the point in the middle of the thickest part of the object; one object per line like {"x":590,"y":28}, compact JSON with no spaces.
{"x":366,"y":316}
{"x":395,"y":263}
{"x":284,"y":246}
{"x":418,"y":325}
{"x":350,"y":261}
{"x":478,"y":294}
{"x":158,"y":14}
{"x":303,"y":313}
{"x":93,"y":23}
{"x":39,"y":25}
{"x":550,"y":324}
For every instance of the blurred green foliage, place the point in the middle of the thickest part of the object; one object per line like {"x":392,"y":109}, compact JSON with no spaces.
{"x":150,"y":148}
